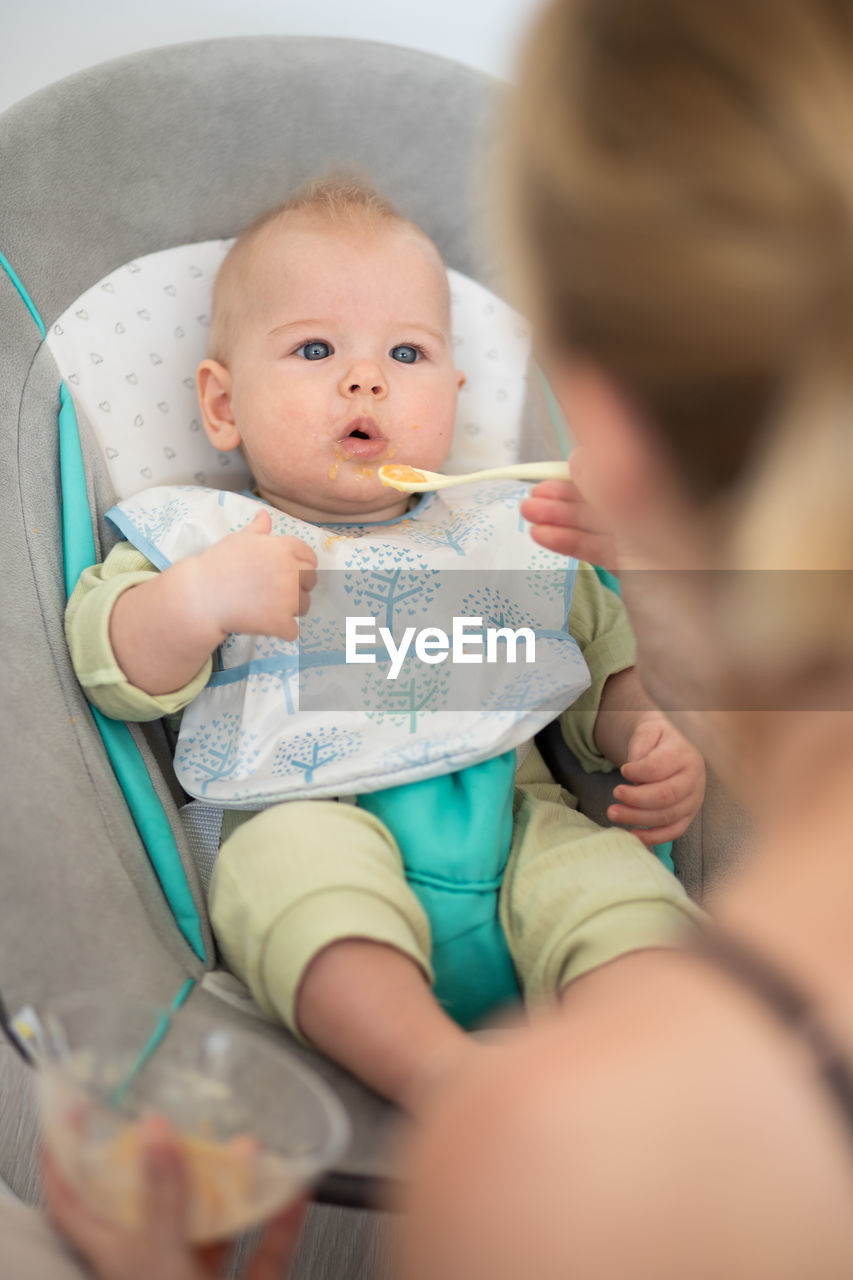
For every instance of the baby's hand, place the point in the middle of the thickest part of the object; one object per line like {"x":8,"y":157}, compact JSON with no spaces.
{"x":256,"y":582}
{"x":667,"y":777}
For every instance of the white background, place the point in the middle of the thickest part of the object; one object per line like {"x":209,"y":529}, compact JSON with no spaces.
{"x":44,"y":40}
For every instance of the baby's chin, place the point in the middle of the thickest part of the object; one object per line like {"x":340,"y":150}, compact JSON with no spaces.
{"x":380,"y":503}
{"x":353,"y":500}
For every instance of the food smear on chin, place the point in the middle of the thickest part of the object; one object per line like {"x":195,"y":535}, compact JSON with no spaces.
{"x":340,"y":457}
{"x":365,"y":470}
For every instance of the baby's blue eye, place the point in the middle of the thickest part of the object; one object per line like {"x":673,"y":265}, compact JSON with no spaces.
{"x":315,"y":350}
{"x":405,"y":354}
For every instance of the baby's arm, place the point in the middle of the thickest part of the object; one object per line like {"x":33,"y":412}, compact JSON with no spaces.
{"x":614,"y":722}
{"x":87,"y":619}
{"x":163,"y":630}
{"x":126,"y":604}
{"x":664,"y":773}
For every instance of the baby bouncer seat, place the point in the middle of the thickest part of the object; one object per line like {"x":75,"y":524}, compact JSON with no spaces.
{"x":121,"y":187}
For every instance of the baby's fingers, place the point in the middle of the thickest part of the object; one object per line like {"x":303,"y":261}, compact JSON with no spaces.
{"x":664,"y":760}
{"x":672,"y":790}
{"x":626,"y":815}
{"x":662,"y":806}
{"x":650,"y":836}
{"x":302,"y":552}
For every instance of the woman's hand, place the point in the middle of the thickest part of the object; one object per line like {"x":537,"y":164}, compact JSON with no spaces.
{"x":566,"y":518}
{"x":564,"y":521}
{"x":157,"y":1250}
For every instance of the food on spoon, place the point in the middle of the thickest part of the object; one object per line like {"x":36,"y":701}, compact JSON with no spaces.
{"x":396,"y":472}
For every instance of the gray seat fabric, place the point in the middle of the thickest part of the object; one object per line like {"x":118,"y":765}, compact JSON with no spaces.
{"x":202,"y":826}
{"x":166,"y":147}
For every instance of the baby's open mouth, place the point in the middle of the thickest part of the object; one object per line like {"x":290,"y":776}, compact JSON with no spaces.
{"x":362,"y":439}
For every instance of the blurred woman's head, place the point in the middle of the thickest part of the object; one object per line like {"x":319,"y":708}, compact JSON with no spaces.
{"x":681,"y":204}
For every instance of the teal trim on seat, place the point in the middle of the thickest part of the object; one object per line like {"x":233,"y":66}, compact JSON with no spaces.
{"x":78,"y":552}
{"x":78,"y":544}
{"x":78,"y":538}
{"x":609,"y":579}
{"x":27,"y":300}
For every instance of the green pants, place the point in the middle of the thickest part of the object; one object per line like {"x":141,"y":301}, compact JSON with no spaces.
{"x":300,"y":876}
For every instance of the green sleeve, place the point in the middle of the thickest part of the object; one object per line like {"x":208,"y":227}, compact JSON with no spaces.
{"x":599,"y":623}
{"x":87,"y":630}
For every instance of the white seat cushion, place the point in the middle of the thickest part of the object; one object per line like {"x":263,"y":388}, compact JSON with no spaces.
{"x":129,"y":346}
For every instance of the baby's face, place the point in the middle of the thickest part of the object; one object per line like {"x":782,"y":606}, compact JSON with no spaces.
{"x":342,"y":361}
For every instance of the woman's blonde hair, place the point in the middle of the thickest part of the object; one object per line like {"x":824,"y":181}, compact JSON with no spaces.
{"x":680,"y":196}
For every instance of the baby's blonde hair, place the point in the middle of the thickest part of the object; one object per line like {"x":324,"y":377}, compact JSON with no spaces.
{"x":680,"y":196}
{"x":344,"y":200}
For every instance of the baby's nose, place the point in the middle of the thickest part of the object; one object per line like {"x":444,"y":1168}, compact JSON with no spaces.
{"x":365,"y":378}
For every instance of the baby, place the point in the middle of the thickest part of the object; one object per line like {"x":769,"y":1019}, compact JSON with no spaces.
{"x":330,"y":353}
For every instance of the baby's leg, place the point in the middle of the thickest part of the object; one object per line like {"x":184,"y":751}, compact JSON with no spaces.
{"x":576,"y":896}
{"x":311,"y":909}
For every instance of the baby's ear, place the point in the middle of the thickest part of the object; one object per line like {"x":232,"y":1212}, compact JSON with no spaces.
{"x":214,"y":397}
{"x":460,"y":379}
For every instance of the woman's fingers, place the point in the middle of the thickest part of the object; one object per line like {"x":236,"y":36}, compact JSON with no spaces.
{"x":566,"y":514}
{"x":278,"y":1244}
{"x":593,"y":548}
{"x":564,"y":521}
{"x":559,"y":502}
{"x":158,"y":1250}
{"x":91,"y":1236}
{"x":165,"y":1193}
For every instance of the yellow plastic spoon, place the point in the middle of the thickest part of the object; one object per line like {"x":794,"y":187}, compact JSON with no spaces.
{"x":417,"y":480}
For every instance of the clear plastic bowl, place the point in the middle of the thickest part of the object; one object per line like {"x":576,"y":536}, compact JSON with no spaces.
{"x":255,"y":1126}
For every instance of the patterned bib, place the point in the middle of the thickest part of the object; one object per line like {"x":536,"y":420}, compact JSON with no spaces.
{"x":315,"y":717}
